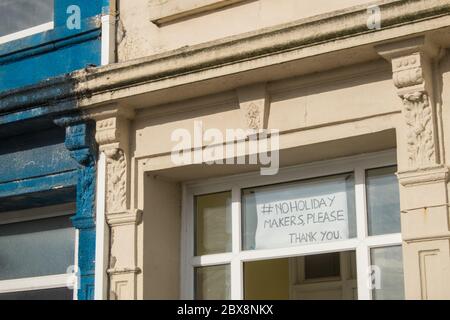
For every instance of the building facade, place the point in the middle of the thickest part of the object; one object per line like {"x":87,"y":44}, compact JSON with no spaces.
{"x":269,"y":149}
{"x":48,"y":153}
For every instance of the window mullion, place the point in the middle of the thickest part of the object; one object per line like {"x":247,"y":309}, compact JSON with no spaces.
{"x":187,"y":245}
{"x":362,"y":251}
{"x":360,"y":197}
{"x":362,"y":267}
{"x":236,"y":264}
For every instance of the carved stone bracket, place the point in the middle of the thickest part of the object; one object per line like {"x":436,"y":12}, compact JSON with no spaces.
{"x":420,"y":137}
{"x":116,"y":172}
{"x":423,"y":175}
{"x":412,"y":74}
{"x":112,"y":135}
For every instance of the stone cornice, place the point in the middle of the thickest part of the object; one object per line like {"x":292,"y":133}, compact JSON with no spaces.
{"x":100,"y":82}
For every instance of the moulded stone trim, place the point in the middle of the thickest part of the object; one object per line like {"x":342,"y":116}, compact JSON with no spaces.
{"x":301,"y":34}
{"x":169,"y":10}
{"x":424,"y":176}
{"x":119,"y":271}
{"x":124,"y":218}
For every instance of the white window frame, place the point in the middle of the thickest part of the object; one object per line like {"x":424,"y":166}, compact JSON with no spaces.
{"x":42,"y":282}
{"x":362,"y":244}
{"x":27,"y":32}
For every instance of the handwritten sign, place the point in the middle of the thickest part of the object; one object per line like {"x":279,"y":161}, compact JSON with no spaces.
{"x":309,"y":213}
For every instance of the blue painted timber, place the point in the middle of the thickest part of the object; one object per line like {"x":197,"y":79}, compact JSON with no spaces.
{"x":82,"y":147}
{"x":40,"y":154}
{"x":54,"y":52}
{"x":48,"y":152}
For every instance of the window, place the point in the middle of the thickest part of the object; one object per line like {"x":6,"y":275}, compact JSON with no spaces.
{"x":328,"y":230}
{"x":21,"y":18}
{"x":37,"y":249}
{"x":213,"y":223}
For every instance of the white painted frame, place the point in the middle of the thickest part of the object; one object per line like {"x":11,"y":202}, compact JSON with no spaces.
{"x":42,"y":282}
{"x":102,"y":233}
{"x":108,"y":41}
{"x":362,"y":244}
{"x":27,"y":32}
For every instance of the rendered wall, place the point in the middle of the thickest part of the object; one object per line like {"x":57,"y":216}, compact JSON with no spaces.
{"x":139,"y":36}
{"x":347,"y":93}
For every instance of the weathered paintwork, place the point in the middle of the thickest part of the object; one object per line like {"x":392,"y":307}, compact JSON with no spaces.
{"x":60,"y":50}
{"x":47,"y":153}
{"x":82,"y":147}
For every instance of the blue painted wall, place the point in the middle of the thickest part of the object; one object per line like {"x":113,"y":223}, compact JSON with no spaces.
{"x":48,"y":153}
{"x":27,"y":156}
{"x":61,"y":50}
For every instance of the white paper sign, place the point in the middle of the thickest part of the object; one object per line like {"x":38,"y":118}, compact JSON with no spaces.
{"x":302,"y":214}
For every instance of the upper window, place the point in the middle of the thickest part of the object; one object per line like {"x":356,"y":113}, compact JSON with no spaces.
{"x":21,"y":18}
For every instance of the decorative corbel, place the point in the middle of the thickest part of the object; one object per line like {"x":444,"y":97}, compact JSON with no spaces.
{"x":412,"y":66}
{"x":82,"y":148}
{"x":112,"y":136}
{"x":423,"y":175}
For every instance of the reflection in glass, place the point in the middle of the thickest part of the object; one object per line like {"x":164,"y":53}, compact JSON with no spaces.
{"x":331,"y":276}
{"x":36,"y":248}
{"x":388,"y":270}
{"x":383,"y":204}
{"x":322,"y":266}
{"x":47,"y":294}
{"x":17,"y":15}
{"x":306,"y":209}
{"x":212,"y":283}
{"x":213,"y":223}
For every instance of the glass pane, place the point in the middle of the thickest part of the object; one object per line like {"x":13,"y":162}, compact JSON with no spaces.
{"x":283,"y":279}
{"x":212,"y":283}
{"x":36,"y":248}
{"x":383,"y":201}
{"x":322,"y":266}
{"x":213,"y":223}
{"x":388,"y":270}
{"x":17,"y":15}
{"x":266,"y":280}
{"x":299,"y":213}
{"x":49,"y":294}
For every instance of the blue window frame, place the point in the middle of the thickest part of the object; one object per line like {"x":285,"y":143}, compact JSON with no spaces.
{"x":60,"y":46}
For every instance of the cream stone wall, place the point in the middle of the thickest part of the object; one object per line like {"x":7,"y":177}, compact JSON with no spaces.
{"x":160,"y":235}
{"x":139,"y":34}
{"x":339,"y":91}
{"x":324,"y":109}
{"x":324,"y":99}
